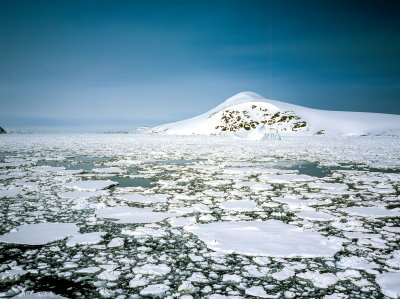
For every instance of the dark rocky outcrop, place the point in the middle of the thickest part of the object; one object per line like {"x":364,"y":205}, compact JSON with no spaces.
{"x":2,"y":131}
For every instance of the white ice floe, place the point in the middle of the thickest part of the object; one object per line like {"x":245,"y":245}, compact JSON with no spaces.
{"x":314,"y":215}
{"x":232,"y":278}
{"x":138,"y":281}
{"x":116,"y":242}
{"x":265,"y":238}
{"x":389,"y":283}
{"x":86,"y":239}
{"x":88,"y":270}
{"x":109,"y":275}
{"x":91,"y":185}
{"x":154,"y":290}
{"x":181,"y":221}
{"x":395,"y":261}
{"x":144,"y":232}
{"x":152,"y":269}
{"x":40,"y":295}
{"x":239,"y":205}
{"x":81,"y":194}
{"x":40,"y":233}
{"x":328,"y":186}
{"x":111,"y":170}
{"x":374,"y":212}
{"x":133,"y":215}
{"x":139,"y":198}
{"x":286,"y":178}
{"x":256,"y":291}
{"x":320,"y":280}
{"x":187,"y":287}
{"x":10,"y":192}
{"x":284,"y":274}
{"x":356,"y":262}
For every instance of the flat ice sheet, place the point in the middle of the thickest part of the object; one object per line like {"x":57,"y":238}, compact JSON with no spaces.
{"x":91,"y":185}
{"x":314,"y":215}
{"x":81,"y":194}
{"x":389,"y":283}
{"x":239,"y":205}
{"x":40,"y":233}
{"x":266,"y":238}
{"x":139,"y":198}
{"x":373,"y":212}
{"x":86,"y":239}
{"x":133,"y":215}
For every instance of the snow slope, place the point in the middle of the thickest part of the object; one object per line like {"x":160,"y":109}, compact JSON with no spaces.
{"x":247,"y":111}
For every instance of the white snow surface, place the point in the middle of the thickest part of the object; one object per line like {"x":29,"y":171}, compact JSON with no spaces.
{"x":40,"y":233}
{"x":91,"y":185}
{"x":133,"y":215}
{"x":389,"y":283}
{"x":332,"y":122}
{"x":86,"y":239}
{"x":265,"y":238}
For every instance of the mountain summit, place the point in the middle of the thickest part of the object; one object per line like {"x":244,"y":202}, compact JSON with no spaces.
{"x":249,"y":111}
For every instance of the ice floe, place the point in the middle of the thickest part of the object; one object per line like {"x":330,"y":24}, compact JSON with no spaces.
{"x":85,"y":239}
{"x":40,"y":233}
{"x":91,"y":185}
{"x":373,"y":212}
{"x":267,"y":238}
{"x":239,"y":205}
{"x":389,"y":283}
{"x":133,"y":215}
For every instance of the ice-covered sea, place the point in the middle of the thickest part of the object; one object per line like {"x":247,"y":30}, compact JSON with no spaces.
{"x":130,"y":216}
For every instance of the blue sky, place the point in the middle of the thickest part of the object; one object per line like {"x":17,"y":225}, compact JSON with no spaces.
{"x":116,"y":65}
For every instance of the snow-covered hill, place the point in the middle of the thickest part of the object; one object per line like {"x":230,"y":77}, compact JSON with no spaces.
{"x":248,"y":114}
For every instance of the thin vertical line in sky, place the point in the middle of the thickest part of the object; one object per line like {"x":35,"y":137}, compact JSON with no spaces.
{"x":270,"y":52}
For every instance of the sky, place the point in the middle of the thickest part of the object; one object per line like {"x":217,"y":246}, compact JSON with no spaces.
{"x":116,"y":65}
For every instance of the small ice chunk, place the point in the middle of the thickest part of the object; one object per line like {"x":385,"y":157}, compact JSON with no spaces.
{"x":80,"y":194}
{"x":116,"y":242}
{"x":314,"y":215}
{"x":231,"y":278}
{"x":257,"y":291}
{"x":144,"y":231}
{"x":284,"y":274}
{"x":88,"y":270}
{"x":85,"y":239}
{"x":138,"y":281}
{"x":181,"y":221}
{"x":198,"y":277}
{"x":374,"y":212}
{"x":319,"y":280}
{"x":155,"y":290}
{"x":109,"y":275}
{"x":40,"y":233}
{"x":356,"y":262}
{"x":152,"y":269}
{"x":328,"y":186}
{"x":286,"y":178}
{"x":139,"y":198}
{"x":239,"y":205}
{"x":109,"y":170}
{"x":187,"y":287}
